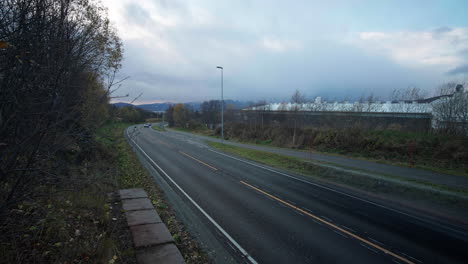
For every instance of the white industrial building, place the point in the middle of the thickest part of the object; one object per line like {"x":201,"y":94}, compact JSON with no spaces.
{"x":438,"y":107}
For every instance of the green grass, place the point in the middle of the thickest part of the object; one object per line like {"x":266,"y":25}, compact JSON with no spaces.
{"x":158,"y":128}
{"x":275,"y":160}
{"x":202,"y":132}
{"x":380,"y":137}
{"x":388,"y":190}
{"x":130,"y":173}
{"x":183,"y":129}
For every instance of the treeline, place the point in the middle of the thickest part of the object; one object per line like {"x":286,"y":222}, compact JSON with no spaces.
{"x":58,"y":62}
{"x":209,"y":116}
{"x":129,"y":114}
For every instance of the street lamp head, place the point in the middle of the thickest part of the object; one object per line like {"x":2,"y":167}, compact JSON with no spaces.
{"x":219,"y":67}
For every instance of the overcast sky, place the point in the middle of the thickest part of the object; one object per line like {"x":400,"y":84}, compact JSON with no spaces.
{"x":268,"y":48}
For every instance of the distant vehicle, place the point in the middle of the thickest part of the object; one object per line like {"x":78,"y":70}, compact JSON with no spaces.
{"x":147,"y":125}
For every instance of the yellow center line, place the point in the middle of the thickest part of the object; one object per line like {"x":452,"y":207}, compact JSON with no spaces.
{"x":211,"y":167}
{"x":363,"y":240}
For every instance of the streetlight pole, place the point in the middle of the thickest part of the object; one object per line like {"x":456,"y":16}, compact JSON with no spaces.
{"x":222,"y":106}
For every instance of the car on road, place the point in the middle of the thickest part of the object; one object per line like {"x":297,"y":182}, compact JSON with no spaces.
{"x":147,"y":125}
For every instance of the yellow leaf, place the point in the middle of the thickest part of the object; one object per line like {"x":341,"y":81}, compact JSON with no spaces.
{"x":4,"y":44}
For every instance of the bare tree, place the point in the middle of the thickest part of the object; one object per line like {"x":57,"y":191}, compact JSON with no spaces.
{"x":451,"y":109}
{"x":406,"y":100}
{"x":297,"y":99}
{"x":56,"y":74}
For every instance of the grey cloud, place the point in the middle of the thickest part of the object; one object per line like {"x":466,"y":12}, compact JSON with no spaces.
{"x":136,"y":14}
{"x":166,"y":79}
{"x":321,"y":67}
{"x":459,"y":70}
{"x":439,"y":33}
{"x":442,"y":30}
{"x":464,"y":53}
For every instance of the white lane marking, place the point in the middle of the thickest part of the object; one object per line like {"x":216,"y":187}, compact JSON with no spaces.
{"x":299,"y":213}
{"x":348,"y":228}
{"x":317,"y":222}
{"x":371,"y":249}
{"x":242,"y":250}
{"x":339,"y":233}
{"x":376,"y":241}
{"x":321,"y":186}
{"x":411,"y":257}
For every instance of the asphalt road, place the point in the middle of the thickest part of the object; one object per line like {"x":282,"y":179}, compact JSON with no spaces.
{"x":432,"y":177}
{"x":268,"y":216}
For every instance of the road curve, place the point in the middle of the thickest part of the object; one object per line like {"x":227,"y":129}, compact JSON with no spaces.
{"x":268,"y":216}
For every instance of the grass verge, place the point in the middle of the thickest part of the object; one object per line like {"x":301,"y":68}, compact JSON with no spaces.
{"x":158,"y":128}
{"x":72,"y":219}
{"x":202,"y":132}
{"x":420,"y":163}
{"x":131,"y":174}
{"x":400,"y":193}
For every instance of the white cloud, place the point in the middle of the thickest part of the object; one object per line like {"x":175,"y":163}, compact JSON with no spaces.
{"x":442,"y":47}
{"x":277,"y":45}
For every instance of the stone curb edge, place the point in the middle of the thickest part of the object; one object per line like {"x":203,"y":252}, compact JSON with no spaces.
{"x":152,"y":240}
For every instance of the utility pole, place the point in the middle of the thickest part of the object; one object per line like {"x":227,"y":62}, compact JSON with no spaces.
{"x":222,"y":106}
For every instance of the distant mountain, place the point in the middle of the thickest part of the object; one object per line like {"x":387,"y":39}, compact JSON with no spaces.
{"x":120,"y":104}
{"x":195,"y":106}
{"x":154,"y":107}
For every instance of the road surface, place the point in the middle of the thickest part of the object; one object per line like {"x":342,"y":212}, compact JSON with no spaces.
{"x":263,"y":215}
{"x":431,"y":177}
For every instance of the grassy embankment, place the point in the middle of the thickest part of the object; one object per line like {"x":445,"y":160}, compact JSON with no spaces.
{"x":75,"y":222}
{"x":439,"y":153}
{"x":131,"y":174}
{"x":199,"y":131}
{"x":384,"y":189}
{"x":158,"y":128}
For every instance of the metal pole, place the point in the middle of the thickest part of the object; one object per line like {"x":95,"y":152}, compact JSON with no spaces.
{"x":222,"y":105}
{"x":222,"y":108}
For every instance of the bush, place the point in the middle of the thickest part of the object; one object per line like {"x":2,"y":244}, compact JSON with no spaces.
{"x":428,"y":149}
{"x":195,"y":125}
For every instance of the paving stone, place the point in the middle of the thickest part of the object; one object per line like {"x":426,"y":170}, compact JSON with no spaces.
{"x":142,"y":217}
{"x":132,"y":194}
{"x":163,"y":254}
{"x":150,"y":235}
{"x":136,"y":204}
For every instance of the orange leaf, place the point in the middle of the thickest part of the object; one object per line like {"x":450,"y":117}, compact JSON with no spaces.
{"x":4,"y":44}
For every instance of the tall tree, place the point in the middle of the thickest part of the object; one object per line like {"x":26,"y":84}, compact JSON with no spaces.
{"x":56,"y":74}
{"x":181,"y":115}
{"x":211,"y":112}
